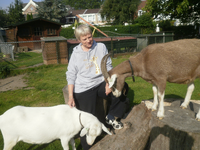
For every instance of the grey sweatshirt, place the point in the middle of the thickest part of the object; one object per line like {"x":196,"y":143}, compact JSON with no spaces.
{"x":84,"y":68}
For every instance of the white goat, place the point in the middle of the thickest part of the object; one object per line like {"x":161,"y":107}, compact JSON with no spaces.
{"x":39,"y":125}
{"x":176,"y":62}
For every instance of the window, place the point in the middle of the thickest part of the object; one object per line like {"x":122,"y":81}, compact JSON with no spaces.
{"x":140,"y":12}
{"x":37,"y":31}
{"x":91,"y":18}
{"x":51,"y":31}
{"x":23,"y":32}
{"x":84,"y":17}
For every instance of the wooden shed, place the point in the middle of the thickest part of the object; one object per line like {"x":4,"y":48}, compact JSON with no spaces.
{"x":26,"y":34}
{"x":54,"y":50}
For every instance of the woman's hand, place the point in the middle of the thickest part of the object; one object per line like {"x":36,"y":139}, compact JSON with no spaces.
{"x":71,"y":102}
{"x":107,"y":89}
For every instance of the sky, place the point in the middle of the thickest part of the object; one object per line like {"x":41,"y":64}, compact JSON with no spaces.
{"x":4,"y":4}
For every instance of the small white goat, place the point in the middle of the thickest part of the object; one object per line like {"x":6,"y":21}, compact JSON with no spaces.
{"x":39,"y":125}
{"x":175,"y":62}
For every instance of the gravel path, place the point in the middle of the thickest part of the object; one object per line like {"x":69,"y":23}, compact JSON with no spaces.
{"x":12,"y":83}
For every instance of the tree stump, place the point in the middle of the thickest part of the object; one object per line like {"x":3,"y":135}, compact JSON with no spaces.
{"x":178,"y":130}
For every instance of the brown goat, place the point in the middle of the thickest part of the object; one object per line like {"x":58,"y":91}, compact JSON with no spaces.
{"x":175,"y":62}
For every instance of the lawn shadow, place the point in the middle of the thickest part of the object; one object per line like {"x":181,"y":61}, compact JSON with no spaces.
{"x":173,"y":96}
{"x":39,"y":147}
{"x":131,"y":96}
{"x":8,"y":62}
{"x":44,"y":146}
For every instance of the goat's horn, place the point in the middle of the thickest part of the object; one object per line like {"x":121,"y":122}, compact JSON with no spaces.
{"x":103,"y":66}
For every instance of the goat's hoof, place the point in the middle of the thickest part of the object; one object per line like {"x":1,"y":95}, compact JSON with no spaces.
{"x":197,"y":119}
{"x":183,"y":107}
{"x":160,"y":118}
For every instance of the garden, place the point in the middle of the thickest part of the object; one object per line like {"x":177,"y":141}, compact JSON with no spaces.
{"x":44,"y":85}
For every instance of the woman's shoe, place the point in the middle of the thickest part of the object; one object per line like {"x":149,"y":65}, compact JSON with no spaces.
{"x":117,"y":125}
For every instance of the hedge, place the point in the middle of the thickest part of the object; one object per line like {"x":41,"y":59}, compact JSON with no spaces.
{"x":118,"y":29}
{"x":179,"y":31}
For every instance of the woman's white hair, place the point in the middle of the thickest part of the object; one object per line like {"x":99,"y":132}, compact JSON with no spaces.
{"x":82,"y":30}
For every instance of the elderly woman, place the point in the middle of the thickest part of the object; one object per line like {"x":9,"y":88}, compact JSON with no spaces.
{"x":86,"y":82}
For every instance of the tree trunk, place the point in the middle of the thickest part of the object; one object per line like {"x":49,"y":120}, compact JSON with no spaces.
{"x":178,"y":130}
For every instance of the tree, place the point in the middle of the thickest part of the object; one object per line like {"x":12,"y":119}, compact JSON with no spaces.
{"x":3,"y":18}
{"x":166,"y":25}
{"x":52,"y":9}
{"x":145,"y":21}
{"x":119,"y":11}
{"x":15,"y":13}
{"x":84,"y":4}
{"x":31,"y":16}
{"x":28,"y":17}
{"x":185,"y":10}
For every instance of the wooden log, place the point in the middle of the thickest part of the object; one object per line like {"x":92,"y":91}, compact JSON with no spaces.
{"x":133,"y":136}
{"x":144,"y":131}
{"x":177,"y":131}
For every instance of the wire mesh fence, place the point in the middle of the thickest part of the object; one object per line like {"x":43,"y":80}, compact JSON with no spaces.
{"x":145,"y":40}
{"x":59,"y":49}
{"x":5,"y":48}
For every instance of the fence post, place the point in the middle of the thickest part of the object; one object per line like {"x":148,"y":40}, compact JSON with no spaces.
{"x":57,"y":53}
{"x":163,"y":37}
{"x":112,"y":47}
{"x":12,"y":54}
{"x":146,"y":40}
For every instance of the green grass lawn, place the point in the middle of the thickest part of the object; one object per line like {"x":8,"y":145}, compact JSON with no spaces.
{"x":25,"y":60}
{"x":48,"y":82}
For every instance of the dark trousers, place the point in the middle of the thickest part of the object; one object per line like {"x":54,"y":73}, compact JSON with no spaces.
{"x":86,"y":101}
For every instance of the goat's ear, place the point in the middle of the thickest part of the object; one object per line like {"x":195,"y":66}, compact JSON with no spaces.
{"x":105,"y":129}
{"x":84,"y":131}
{"x":111,"y":81}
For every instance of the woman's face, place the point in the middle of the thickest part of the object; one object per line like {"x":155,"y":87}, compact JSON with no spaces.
{"x":87,"y":41}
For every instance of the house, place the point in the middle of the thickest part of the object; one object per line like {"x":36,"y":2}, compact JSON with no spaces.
{"x":92,"y":16}
{"x":32,"y":30}
{"x":30,"y":8}
{"x":142,"y":5}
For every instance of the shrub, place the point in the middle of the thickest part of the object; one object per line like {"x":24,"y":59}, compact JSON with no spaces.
{"x":67,"y":32}
{"x":4,"y":70}
{"x":146,"y":23}
{"x":183,"y":32}
{"x":118,"y":29}
{"x":165,"y":25}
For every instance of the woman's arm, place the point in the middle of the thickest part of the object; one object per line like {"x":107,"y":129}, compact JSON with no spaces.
{"x":71,"y":101}
{"x":71,"y":77}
